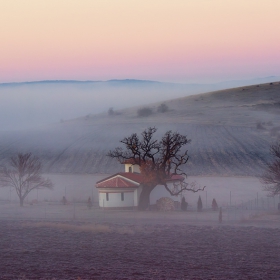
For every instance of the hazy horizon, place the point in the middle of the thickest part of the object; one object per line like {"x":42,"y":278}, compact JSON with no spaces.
{"x":189,"y":46}
{"x":179,"y":41}
{"x":33,"y":104}
{"x":216,"y":67}
{"x":251,"y":79}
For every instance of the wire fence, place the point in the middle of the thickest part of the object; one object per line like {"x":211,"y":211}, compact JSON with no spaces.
{"x":79,"y":210}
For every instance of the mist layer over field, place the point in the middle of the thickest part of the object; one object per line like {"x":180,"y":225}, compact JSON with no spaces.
{"x":231,"y":131}
{"x":27,"y":105}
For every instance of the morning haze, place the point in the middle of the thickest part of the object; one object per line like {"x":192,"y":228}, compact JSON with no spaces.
{"x":231,"y":131}
{"x":139,"y":139}
{"x":31,"y":104}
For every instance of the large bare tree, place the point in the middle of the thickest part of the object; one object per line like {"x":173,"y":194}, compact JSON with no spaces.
{"x":271,"y":177}
{"x":23,"y":173}
{"x":159,"y":160}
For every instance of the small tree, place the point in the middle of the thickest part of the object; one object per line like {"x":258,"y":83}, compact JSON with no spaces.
{"x":144,"y":112}
{"x":214,"y":205}
{"x":159,"y":160}
{"x":259,"y":125}
{"x":271,"y":177}
{"x":111,"y":111}
{"x":199,"y":204}
{"x":162,"y":108}
{"x":184,"y":204}
{"x":23,"y":174}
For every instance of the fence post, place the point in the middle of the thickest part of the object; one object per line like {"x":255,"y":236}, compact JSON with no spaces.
{"x":220,"y":215}
{"x":267,"y":203}
{"x":235,"y":211}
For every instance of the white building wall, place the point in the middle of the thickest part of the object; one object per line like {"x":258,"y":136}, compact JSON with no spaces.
{"x":115,"y":199}
{"x":135,"y":168}
{"x":137,"y":195}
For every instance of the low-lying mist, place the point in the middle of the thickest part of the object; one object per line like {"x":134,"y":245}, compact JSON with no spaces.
{"x":27,"y":105}
{"x":33,"y":104}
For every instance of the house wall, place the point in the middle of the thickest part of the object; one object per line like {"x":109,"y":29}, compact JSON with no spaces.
{"x":137,"y":195}
{"x":115,"y":199}
{"x":135,"y":168}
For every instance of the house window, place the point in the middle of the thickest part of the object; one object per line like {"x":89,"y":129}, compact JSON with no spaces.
{"x":122,"y":195}
{"x":130,"y":169}
{"x":107,"y":196}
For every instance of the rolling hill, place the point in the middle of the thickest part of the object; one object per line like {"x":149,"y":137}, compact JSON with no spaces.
{"x":32,"y":104}
{"x":231,"y":131}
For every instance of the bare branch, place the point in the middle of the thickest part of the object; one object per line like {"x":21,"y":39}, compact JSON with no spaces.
{"x":158,"y":160}
{"x":183,"y":186}
{"x":24,"y":175}
{"x":271,"y":177}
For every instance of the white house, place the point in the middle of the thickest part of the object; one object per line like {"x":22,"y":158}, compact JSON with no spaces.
{"x":122,"y":190}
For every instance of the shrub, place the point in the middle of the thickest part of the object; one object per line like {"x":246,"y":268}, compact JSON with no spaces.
{"x":144,"y":112}
{"x":214,"y":205}
{"x":259,"y":125}
{"x":184,"y":204}
{"x":162,"y":108}
{"x":165,"y":204}
{"x":199,"y":204}
{"x":111,"y":111}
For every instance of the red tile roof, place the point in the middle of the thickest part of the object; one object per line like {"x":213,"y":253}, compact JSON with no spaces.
{"x":136,"y":177}
{"x":117,"y":182}
{"x":128,"y":180}
{"x":121,"y":180}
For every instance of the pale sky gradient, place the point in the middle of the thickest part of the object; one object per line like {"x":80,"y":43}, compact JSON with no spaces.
{"x":178,"y":40}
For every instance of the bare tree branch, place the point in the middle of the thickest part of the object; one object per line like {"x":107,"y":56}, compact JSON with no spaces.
{"x":271,"y":177}
{"x":24,"y":175}
{"x":158,"y":159}
{"x":183,"y":186}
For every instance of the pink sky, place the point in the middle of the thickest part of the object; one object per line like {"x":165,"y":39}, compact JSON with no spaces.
{"x":178,"y":40}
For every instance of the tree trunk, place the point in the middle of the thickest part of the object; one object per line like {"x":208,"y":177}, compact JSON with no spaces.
{"x":21,"y":201}
{"x":144,"y":199}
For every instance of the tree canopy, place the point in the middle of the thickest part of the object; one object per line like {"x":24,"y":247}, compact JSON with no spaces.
{"x":159,"y":161}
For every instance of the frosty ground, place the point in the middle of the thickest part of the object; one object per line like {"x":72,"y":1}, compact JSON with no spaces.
{"x":54,"y":241}
{"x":48,"y":240}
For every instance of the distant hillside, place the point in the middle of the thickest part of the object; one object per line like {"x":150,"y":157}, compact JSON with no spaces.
{"x":32,"y":104}
{"x":231,"y":131}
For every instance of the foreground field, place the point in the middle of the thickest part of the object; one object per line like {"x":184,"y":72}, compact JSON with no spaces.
{"x":80,"y":250}
{"x":54,"y":241}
